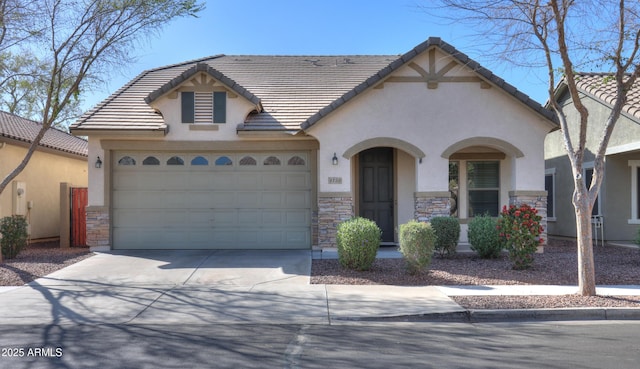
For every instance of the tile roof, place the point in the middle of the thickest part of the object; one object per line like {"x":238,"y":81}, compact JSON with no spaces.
{"x":21,"y":129}
{"x":604,"y":89}
{"x":291,"y":92}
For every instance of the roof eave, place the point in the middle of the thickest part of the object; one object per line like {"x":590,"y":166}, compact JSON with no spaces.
{"x":44,"y":148}
{"x":137,"y":132}
{"x":244,"y":130}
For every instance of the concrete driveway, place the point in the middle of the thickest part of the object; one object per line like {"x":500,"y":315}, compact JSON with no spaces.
{"x":188,"y":267}
{"x":194,"y":287}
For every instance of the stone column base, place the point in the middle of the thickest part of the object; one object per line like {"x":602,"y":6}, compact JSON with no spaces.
{"x":431,"y":204}
{"x":332,"y":209}
{"x":98,"y":227}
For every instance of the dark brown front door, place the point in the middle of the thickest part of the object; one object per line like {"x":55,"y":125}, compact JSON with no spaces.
{"x":376,"y":189}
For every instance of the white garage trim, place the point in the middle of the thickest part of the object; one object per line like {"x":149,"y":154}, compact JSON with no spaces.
{"x":222,"y":200}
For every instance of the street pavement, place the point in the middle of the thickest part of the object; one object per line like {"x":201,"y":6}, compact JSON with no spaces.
{"x":252,"y":286}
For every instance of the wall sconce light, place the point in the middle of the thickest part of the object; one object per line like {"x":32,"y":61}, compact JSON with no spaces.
{"x":98,"y":163}
{"x":334,"y":160}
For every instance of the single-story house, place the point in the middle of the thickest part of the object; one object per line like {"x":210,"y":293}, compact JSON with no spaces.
{"x":35,"y":192}
{"x":258,"y":151}
{"x":616,"y":214}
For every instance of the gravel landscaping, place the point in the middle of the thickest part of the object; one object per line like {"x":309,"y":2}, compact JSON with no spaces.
{"x":556,"y":266}
{"x":38,"y":260}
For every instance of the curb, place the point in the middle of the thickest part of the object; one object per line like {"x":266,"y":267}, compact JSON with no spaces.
{"x":563,"y":314}
{"x":511,"y":315}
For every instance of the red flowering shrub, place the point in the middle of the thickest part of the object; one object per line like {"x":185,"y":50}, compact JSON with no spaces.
{"x":519,"y":229}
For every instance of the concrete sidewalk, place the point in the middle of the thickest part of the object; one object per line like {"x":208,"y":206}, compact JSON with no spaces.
{"x":268,"y":287}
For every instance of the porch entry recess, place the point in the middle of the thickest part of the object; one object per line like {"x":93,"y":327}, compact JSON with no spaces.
{"x":376,"y":195}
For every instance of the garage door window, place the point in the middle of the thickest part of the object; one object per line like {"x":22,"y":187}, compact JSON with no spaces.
{"x":151,"y":160}
{"x":271,"y":160}
{"x":224,"y":160}
{"x":296,"y":160}
{"x":127,"y":160}
{"x":248,"y":160}
{"x":199,"y":160}
{"x":175,"y":160}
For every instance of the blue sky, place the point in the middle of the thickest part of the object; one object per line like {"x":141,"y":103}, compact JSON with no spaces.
{"x":304,"y":27}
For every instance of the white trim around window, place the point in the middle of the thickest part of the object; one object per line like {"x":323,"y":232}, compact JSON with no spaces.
{"x":552,"y":173}
{"x":634,"y":166}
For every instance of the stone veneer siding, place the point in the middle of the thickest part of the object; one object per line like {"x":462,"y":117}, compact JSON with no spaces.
{"x":331,"y":211}
{"x":429,"y":205}
{"x":98,"y":227}
{"x":535,"y":199}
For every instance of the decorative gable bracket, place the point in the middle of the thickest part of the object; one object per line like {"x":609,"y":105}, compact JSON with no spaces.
{"x":433,"y":77}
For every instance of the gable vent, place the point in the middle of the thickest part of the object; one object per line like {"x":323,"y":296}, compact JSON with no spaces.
{"x":203,"y":107}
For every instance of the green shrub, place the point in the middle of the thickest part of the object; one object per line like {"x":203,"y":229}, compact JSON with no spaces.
{"x":417,"y":241}
{"x":484,"y":236}
{"x":637,"y":240}
{"x":519,"y":229}
{"x":358,"y":241}
{"x":14,"y":235}
{"x":447,"y":230}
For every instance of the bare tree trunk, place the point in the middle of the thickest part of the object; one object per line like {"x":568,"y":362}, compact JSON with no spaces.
{"x":586,"y":266}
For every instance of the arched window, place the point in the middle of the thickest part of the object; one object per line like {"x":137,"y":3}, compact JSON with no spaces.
{"x":248,"y":160}
{"x":175,"y":160}
{"x":223,"y":160}
{"x":199,"y":160}
{"x":127,"y":160}
{"x":271,"y":160}
{"x":296,"y":160}
{"x":151,"y":160}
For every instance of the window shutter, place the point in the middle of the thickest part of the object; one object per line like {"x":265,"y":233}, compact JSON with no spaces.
{"x":219,"y":107}
{"x":188,"y":107}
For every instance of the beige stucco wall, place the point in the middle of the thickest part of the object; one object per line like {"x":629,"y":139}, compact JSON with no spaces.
{"x":405,"y":186}
{"x":433,"y":120}
{"x":42,"y":176}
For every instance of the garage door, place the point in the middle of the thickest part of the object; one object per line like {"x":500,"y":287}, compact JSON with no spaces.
{"x":211,"y":201}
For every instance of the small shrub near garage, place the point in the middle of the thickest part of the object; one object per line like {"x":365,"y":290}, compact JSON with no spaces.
{"x":447,"y":230}
{"x":484,"y":237}
{"x":417,"y":242}
{"x":358,"y":240}
{"x":14,"y":235}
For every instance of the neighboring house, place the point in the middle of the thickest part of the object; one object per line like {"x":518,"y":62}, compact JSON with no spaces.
{"x":617,"y":209}
{"x":274,"y":151}
{"x":35,"y":192}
